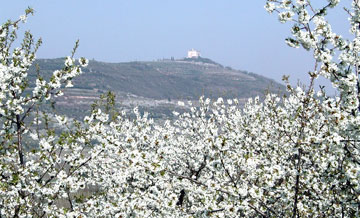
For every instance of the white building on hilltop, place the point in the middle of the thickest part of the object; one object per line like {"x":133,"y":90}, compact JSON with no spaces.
{"x":193,"y":54}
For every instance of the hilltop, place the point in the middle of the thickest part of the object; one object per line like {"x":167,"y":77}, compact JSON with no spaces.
{"x":157,"y":85}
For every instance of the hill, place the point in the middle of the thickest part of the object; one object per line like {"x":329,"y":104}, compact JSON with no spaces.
{"x":158,"y":85}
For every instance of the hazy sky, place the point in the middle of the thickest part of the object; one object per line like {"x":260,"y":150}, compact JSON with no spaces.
{"x":236,"y":33}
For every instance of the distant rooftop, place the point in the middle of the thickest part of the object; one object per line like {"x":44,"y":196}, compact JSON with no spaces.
{"x":193,"y":53}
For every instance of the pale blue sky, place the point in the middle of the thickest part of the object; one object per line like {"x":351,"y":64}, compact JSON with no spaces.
{"x":235,"y":33}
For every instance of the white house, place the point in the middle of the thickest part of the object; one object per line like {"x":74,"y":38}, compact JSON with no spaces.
{"x":193,"y":53}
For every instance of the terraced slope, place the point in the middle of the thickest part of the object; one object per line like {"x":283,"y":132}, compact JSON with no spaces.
{"x":157,"y":85}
